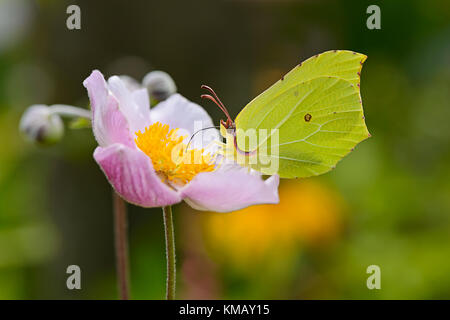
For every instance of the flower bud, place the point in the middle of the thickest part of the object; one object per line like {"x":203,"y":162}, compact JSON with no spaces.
{"x":160,"y":86}
{"x":38,"y":124}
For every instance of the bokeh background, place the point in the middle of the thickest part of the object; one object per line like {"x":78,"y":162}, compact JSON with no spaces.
{"x":386,"y":204}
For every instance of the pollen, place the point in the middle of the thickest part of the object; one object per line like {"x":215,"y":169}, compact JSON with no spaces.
{"x":172,"y":162}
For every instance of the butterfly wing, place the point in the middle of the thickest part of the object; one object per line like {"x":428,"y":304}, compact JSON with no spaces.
{"x":313,"y":117}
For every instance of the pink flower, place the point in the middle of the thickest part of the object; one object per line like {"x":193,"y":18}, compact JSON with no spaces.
{"x":135,"y":145}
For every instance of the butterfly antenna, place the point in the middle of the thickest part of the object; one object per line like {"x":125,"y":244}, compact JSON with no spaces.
{"x":189,"y":142}
{"x":214,"y":98}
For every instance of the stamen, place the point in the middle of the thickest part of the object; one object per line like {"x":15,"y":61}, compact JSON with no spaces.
{"x":171,"y":161}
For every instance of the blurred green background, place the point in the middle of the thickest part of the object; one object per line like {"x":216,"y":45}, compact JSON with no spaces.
{"x":386,"y":204}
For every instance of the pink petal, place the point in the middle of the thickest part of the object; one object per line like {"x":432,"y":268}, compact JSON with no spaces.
{"x":140,"y":97}
{"x":97,"y":90}
{"x":228,"y":189}
{"x":131,"y":174}
{"x":112,"y":125}
{"x":108,"y":123}
{"x":131,"y":104}
{"x":130,"y":83}
{"x":178,"y":112}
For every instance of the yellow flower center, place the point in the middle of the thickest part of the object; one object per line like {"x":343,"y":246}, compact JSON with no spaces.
{"x":171,"y":161}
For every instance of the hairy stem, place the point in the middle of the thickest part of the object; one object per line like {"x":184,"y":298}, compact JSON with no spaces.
{"x":170,"y":253}
{"x":121,"y":244}
{"x":70,"y":111}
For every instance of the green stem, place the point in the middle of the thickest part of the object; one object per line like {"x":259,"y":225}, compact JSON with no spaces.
{"x":121,"y":245}
{"x":170,"y":253}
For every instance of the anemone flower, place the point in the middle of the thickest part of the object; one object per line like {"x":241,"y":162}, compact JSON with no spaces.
{"x":146,"y":158}
{"x":137,"y":146}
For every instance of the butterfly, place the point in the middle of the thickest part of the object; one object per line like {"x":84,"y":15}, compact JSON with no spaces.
{"x":304,"y":123}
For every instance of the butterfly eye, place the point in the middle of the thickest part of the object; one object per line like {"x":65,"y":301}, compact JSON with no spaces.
{"x":308,"y":117}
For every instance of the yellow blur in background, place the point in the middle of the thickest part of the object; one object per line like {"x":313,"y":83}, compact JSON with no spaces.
{"x":310,"y":214}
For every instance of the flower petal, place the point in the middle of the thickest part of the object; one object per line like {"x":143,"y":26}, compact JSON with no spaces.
{"x":130,"y":83}
{"x":230,"y":188}
{"x":140,"y":97}
{"x":97,"y":90}
{"x":108,"y":123}
{"x":131,"y":174}
{"x":137,"y":113}
{"x":189,"y":117}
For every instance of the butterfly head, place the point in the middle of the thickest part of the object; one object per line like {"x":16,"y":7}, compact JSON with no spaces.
{"x":227,"y":128}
